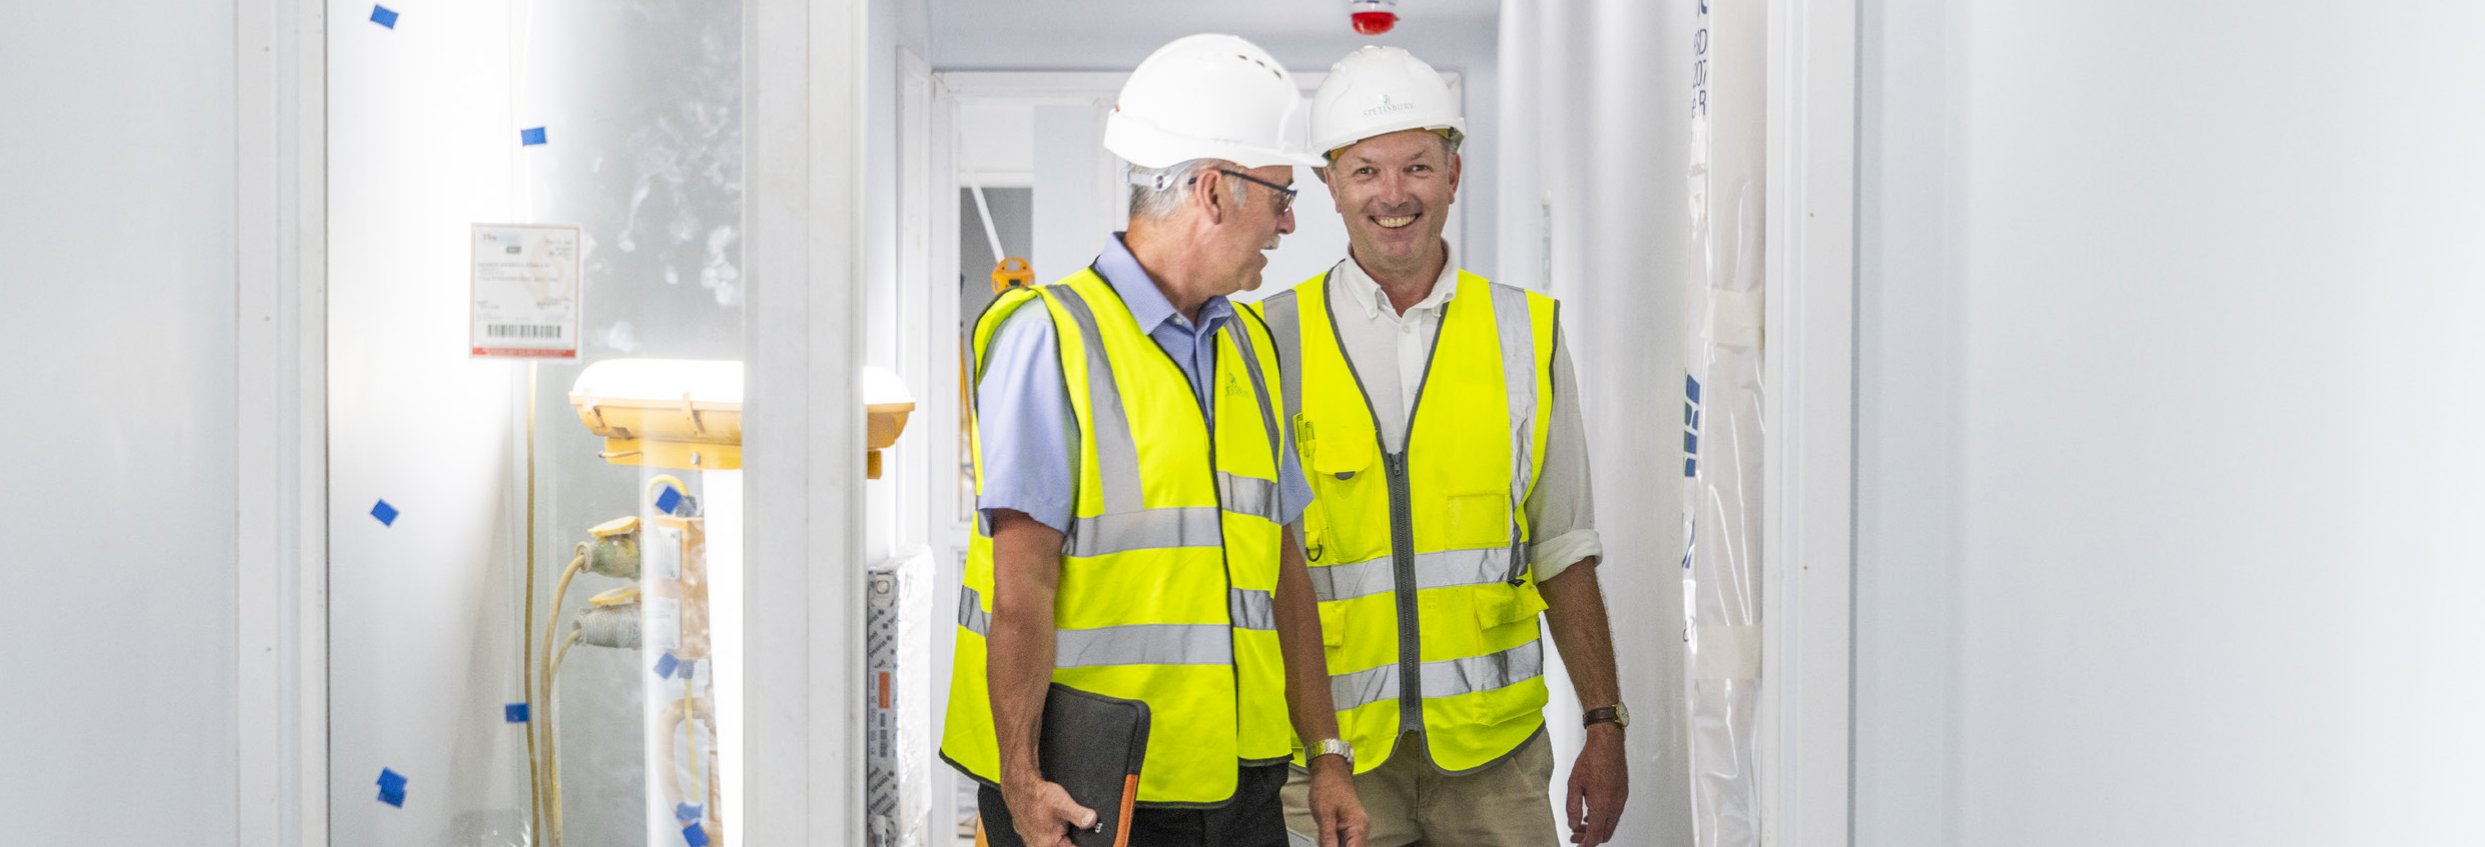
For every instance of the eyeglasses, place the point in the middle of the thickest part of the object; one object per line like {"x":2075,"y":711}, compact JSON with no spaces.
{"x":1285,"y":196}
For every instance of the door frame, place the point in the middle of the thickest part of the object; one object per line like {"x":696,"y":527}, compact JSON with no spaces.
{"x":1806,"y":731}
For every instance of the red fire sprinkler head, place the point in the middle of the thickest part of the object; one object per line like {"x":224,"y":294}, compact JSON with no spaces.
{"x":1373,"y":17}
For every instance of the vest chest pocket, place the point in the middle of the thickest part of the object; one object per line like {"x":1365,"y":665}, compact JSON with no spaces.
{"x":1477,"y":521}
{"x":1348,"y":520}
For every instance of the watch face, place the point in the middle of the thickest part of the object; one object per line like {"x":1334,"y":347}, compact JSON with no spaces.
{"x":1622,"y":715}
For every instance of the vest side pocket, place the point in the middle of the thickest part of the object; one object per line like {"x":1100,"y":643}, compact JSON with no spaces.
{"x":1332,"y":625}
{"x":1502,"y":604}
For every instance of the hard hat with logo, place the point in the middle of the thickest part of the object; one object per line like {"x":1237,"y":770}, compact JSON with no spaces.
{"x":1376,"y":91}
{"x":1209,"y":97}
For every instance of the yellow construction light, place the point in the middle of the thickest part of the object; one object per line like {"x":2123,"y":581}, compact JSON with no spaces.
{"x":886,"y":402}
{"x":667,"y":413}
{"x":1012,"y":271}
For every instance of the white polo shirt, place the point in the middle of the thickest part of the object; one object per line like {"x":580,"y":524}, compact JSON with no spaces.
{"x":1390,"y":352}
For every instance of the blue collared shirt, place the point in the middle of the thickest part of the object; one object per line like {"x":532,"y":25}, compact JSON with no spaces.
{"x":1028,"y":433}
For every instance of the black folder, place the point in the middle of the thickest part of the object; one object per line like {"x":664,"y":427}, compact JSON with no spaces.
{"x":1092,"y":746}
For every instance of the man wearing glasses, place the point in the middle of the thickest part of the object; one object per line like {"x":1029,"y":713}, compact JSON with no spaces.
{"x":1135,"y":488}
{"x":1439,"y":421}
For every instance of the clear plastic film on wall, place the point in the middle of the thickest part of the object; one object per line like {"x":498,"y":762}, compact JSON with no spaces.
{"x":536,"y":368}
{"x":1722,"y":405}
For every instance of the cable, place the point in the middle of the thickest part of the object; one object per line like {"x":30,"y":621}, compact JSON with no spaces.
{"x":552,"y":762}
{"x":526,"y":630}
{"x":552,"y":622}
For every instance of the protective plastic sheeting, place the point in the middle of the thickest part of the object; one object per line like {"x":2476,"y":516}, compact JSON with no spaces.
{"x":1722,"y":403}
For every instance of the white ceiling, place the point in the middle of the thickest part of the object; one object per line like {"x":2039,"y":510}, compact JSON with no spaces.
{"x":1113,"y":35}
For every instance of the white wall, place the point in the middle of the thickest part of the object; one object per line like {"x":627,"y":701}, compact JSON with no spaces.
{"x":1593,"y":137}
{"x":117,"y":299}
{"x":422,"y":648}
{"x":2167,"y":464}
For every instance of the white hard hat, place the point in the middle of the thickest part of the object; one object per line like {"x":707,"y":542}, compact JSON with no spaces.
{"x":1209,"y":97}
{"x":1376,"y":91}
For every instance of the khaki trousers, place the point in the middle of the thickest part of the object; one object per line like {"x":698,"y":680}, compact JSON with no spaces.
{"x":1506,"y":804}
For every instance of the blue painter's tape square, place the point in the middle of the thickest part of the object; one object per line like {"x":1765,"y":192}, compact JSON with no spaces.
{"x":695,"y":835}
{"x":514,"y":713}
{"x":1691,"y":444}
{"x":668,"y":501}
{"x":1691,"y":468}
{"x":384,"y":16}
{"x":386,"y":514}
{"x":392,"y":788}
{"x":530,"y":136}
{"x":1691,"y":387}
{"x":1689,"y":416}
{"x":687,"y":812}
{"x":666,"y":664}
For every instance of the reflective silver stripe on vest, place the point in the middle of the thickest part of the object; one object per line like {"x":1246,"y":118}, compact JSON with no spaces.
{"x":971,"y":612}
{"x":1139,"y":644}
{"x":1117,"y":455}
{"x":1188,"y":526}
{"x":1485,"y":672}
{"x":1364,"y":687}
{"x":1354,"y":579}
{"x":1143,"y":644}
{"x":1247,"y":496}
{"x":1285,"y":324}
{"x":1439,"y":569}
{"x":1518,"y":376}
{"x":1441,"y":679}
{"x":1252,"y":609}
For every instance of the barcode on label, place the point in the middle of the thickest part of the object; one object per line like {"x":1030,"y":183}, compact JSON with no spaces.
{"x":521,"y":331}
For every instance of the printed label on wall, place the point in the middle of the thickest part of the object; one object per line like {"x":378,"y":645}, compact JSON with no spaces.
{"x":525,"y":292}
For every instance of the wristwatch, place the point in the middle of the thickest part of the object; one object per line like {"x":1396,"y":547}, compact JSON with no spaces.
{"x":1616,"y":714}
{"x":1333,"y":747}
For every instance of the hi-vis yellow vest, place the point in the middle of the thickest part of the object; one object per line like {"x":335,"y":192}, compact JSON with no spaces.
{"x":1427,"y":602}
{"x":1169,"y":568}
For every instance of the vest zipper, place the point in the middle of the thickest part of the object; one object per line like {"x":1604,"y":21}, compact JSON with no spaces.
{"x":1410,"y":630}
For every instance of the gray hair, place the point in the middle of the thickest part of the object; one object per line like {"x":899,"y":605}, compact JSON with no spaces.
{"x":1156,"y":193}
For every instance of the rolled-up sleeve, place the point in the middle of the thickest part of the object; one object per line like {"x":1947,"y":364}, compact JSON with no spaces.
{"x":1026,"y":432}
{"x":1560,"y":511}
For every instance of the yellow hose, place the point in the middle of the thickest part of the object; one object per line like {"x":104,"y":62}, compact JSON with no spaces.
{"x":655,"y":486}
{"x":552,"y":623}
{"x":690,"y":741}
{"x":526,"y":629}
{"x":552,"y":763}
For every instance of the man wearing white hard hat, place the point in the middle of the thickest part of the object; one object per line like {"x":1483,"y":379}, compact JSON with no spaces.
{"x":1439,"y":421}
{"x":1134,"y":489}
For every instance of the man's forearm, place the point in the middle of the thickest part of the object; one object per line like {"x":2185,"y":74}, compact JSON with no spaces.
{"x":1298,"y":637}
{"x":1576,"y":604}
{"x":1018,"y":665}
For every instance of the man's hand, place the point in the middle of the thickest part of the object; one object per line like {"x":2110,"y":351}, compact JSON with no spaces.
{"x":1335,"y":808}
{"x":1043,"y":813}
{"x":1600,"y":781}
